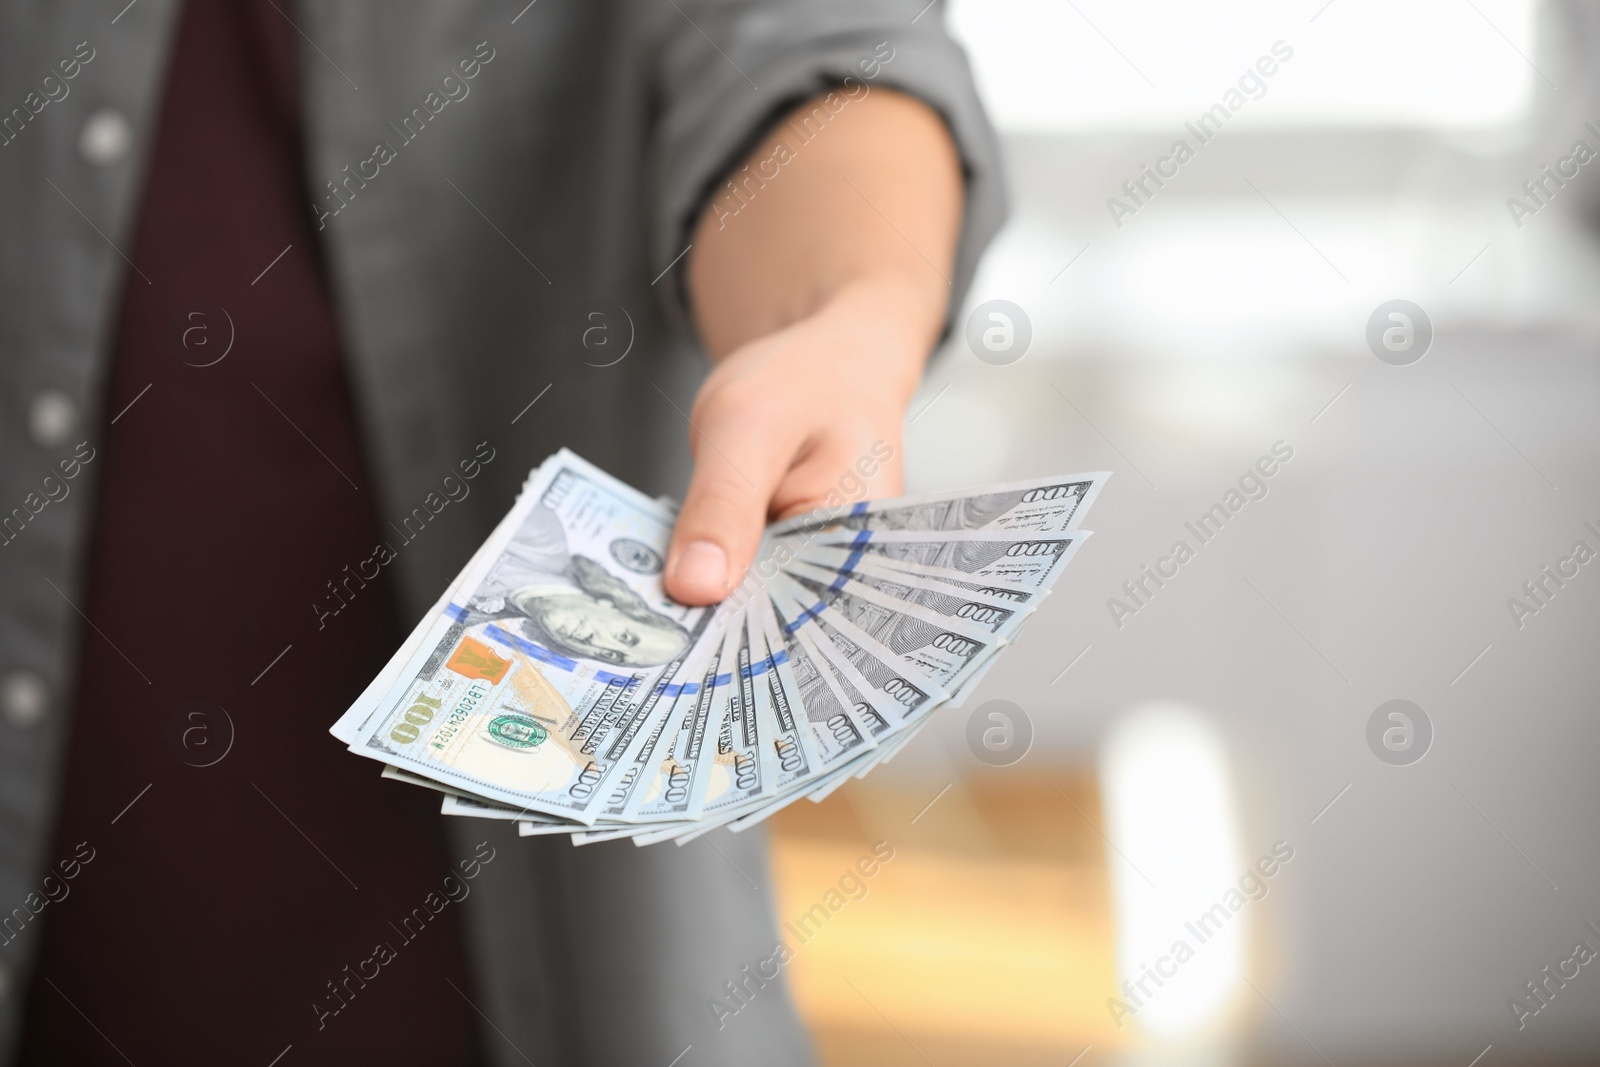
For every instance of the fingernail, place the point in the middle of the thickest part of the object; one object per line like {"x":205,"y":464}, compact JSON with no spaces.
{"x":703,"y":565}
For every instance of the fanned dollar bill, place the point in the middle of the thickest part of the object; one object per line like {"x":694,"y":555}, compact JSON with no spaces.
{"x":1029,"y":562}
{"x":945,"y":606}
{"x":670,"y":795}
{"x":896,"y":692}
{"x":555,"y":684}
{"x":534,"y":688}
{"x":846,"y":563}
{"x":1045,"y":505}
{"x":938,"y":652}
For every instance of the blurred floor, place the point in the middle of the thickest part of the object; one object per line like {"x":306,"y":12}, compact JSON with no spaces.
{"x":987,"y":938}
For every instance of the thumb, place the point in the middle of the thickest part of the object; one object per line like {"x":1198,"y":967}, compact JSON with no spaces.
{"x":724,"y":513}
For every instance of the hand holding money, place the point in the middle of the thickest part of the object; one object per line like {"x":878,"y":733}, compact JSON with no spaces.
{"x":819,"y":314}
{"x":772,"y":430}
{"x":555,"y":683}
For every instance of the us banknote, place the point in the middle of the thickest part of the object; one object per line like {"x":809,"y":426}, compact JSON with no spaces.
{"x":1045,"y":505}
{"x":536,"y":684}
{"x":1025,"y":562}
{"x":554,"y":684}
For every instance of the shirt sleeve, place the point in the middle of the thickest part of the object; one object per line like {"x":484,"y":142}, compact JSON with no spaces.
{"x":729,"y":69}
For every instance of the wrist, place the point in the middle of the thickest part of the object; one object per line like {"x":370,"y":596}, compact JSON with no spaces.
{"x":892,"y":315}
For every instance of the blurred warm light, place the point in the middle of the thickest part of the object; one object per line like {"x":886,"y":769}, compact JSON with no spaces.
{"x":936,"y":961}
{"x":1169,"y":809}
{"x":987,"y":939}
{"x":1050,"y":67}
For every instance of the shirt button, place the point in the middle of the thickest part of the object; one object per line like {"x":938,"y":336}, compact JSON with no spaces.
{"x":105,"y":138}
{"x":51,"y":418}
{"x":24,"y":698}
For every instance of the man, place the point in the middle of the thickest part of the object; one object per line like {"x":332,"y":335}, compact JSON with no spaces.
{"x":392,"y":227}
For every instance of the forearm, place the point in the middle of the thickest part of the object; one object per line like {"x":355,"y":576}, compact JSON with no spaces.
{"x":868,"y":209}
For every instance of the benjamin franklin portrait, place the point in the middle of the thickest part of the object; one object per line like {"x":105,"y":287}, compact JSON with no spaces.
{"x":571,"y":604}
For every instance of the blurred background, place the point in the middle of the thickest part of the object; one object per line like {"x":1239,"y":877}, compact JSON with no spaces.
{"x":1216,"y":763}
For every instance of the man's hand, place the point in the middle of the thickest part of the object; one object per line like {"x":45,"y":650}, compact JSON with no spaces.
{"x":819,"y":291}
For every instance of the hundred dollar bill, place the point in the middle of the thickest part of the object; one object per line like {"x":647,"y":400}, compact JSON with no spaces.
{"x":460,"y":804}
{"x":848,"y":687}
{"x":534,"y":692}
{"x":795,"y":753}
{"x":355,"y":722}
{"x":885,"y":752}
{"x":786,"y":772}
{"x":958,"y":696}
{"x":844,"y":563}
{"x":456,"y":802}
{"x":793,"y":681}
{"x":839,"y":730}
{"x":747,"y":756}
{"x":1043,"y":505}
{"x":729,"y":762}
{"x":678,"y":781}
{"x":942,"y":653}
{"x":488,"y":720}
{"x":823,"y":685}
{"x":621,"y":799}
{"x":473,"y":807}
{"x":737,"y":762}
{"x":676,"y":696}
{"x":819,"y":788}
{"x":942,"y":604}
{"x":396,"y":774}
{"x":1029,"y":562}
{"x":870,"y":608}
{"x":897,"y":692}
{"x":887,"y":748}
{"x":556,"y":685}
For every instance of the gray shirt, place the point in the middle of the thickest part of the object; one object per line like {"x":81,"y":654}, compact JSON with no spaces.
{"x":493,"y":239}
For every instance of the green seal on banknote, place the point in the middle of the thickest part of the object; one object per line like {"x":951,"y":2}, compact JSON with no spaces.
{"x":517,"y":731}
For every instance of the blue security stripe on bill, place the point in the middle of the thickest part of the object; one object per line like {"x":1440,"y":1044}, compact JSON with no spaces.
{"x":766,"y":663}
{"x":544,"y":655}
{"x":845,"y":571}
